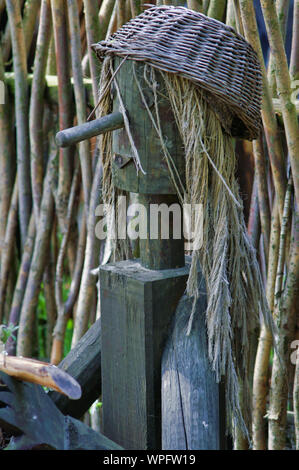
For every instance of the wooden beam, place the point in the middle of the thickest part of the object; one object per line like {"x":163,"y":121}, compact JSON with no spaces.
{"x":83,"y":363}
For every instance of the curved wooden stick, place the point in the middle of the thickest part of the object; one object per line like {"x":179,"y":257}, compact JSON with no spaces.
{"x":41,"y":373}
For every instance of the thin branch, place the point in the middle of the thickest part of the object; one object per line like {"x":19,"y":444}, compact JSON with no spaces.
{"x":272,"y":133}
{"x":284,"y":89}
{"x":37,"y":105}
{"x":21,"y":106}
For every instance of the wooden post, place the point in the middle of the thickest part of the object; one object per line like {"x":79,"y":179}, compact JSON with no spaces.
{"x":137,"y":308}
{"x":157,"y":252}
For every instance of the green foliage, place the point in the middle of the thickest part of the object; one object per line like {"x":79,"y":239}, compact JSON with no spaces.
{"x":68,"y":337}
{"x":7,"y":331}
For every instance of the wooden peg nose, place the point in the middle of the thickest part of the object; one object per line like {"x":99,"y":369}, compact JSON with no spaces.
{"x":76,"y":134}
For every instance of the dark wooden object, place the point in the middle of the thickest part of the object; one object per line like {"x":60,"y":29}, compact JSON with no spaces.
{"x":137,"y":308}
{"x":192,"y":402}
{"x":84,"y":364}
{"x":157,"y":179}
{"x":159,"y":253}
{"x":30,"y":413}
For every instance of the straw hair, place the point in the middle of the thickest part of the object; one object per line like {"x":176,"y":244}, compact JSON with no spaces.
{"x":236,"y":298}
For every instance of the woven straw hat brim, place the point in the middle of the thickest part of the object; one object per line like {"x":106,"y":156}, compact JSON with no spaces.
{"x":207,"y":52}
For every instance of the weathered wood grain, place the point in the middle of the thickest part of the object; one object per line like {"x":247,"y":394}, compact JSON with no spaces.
{"x":192,"y":413}
{"x":157,"y":179}
{"x":76,"y":134}
{"x":137,"y":307}
{"x":157,"y":252}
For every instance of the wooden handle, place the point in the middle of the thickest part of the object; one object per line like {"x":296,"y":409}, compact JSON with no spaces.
{"x":41,"y":373}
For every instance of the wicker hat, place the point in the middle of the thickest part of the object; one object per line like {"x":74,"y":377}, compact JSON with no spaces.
{"x":207,"y":52}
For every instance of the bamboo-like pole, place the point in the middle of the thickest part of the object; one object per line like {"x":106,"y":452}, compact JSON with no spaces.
{"x":294,"y":71}
{"x":2,"y":6}
{"x":296,"y":402}
{"x":282,"y":7}
{"x":6,"y":43}
{"x":65,"y":102}
{"x":8,"y":248}
{"x":286,"y":319}
{"x":39,"y":260}
{"x":283,"y":88}
{"x":238,"y":19}
{"x":105,"y":13}
{"x":282,"y":245}
{"x":84,"y":148}
{"x":195,"y":5}
{"x":217,"y":9}
{"x":88,"y":280}
{"x":263,"y":195}
{"x":37,"y":105}
{"x":254,"y":221}
{"x":205,"y":6}
{"x":230,"y":14}
{"x":31,"y":10}
{"x":51,"y":65}
{"x":6,"y":155}
{"x":59,"y":330}
{"x":272,"y":134}
{"x":93,"y":33}
{"x":121,"y":12}
{"x":294,"y":62}
{"x":112,"y":26}
{"x":6,"y":39}
{"x":66,"y":106}
{"x":21,"y":283}
{"x":21,"y":109}
{"x":136,"y":7}
{"x":50,"y":304}
{"x":261,"y":369}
